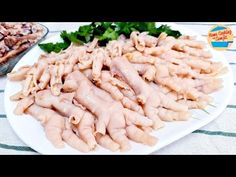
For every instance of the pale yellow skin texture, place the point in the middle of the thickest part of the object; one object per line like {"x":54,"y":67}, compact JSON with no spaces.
{"x":110,"y":95}
{"x":114,"y":87}
{"x":55,"y":128}
{"x":147,"y":95}
{"x":102,"y":105}
{"x":53,"y":123}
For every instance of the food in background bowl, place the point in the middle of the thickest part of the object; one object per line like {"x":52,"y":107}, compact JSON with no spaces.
{"x":16,"y":38}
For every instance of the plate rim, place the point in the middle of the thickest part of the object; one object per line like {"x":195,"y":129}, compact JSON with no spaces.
{"x":170,"y":140}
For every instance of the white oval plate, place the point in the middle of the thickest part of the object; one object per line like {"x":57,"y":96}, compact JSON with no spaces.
{"x":32,"y":133}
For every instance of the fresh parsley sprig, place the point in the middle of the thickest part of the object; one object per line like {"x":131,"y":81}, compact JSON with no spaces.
{"x":104,"y":32}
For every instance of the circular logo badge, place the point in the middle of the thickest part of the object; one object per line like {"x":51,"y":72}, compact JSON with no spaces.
{"x":220,"y":37}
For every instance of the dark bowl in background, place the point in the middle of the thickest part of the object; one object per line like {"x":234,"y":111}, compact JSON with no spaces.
{"x":7,"y":66}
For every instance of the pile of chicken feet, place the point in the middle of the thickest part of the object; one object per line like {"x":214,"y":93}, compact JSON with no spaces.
{"x":88,"y":95}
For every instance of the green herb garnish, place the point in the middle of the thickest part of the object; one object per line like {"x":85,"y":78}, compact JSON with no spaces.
{"x":106,"y":31}
{"x":54,"y":47}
